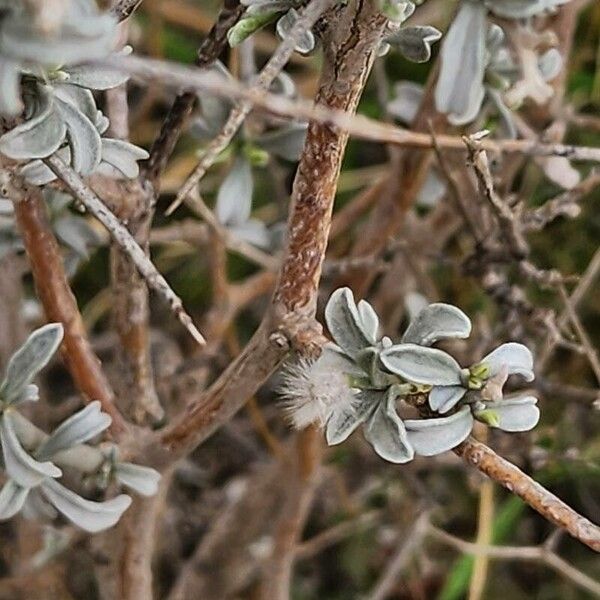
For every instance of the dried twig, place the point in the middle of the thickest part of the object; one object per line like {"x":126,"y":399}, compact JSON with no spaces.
{"x":122,"y":237}
{"x":241,"y":109}
{"x":540,"y":499}
{"x":277,"y":577}
{"x":356,"y":125}
{"x":532,"y":553}
{"x":130,"y":309}
{"x":122,"y":9}
{"x":209,"y":51}
{"x":411,"y":542}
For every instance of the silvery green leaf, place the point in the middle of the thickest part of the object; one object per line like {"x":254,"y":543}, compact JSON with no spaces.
{"x":20,"y":466}
{"x":11,"y":104}
{"x":123,"y":156}
{"x":521,"y":9}
{"x":419,"y":364}
{"x":433,"y":436}
{"x":284,"y":85}
{"x":143,"y":480}
{"x":397,"y":10}
{"x":37,"y":508}
{"x":77,"y":429}
{"x":506,"y":117}
{"x":6,"y":208}
{"x":254,"y":232}
{"x":256,"y":7}
{"x":286,"y":142}
{"x":75,"y":233}
{"x":433,"y":190}
{"x":369,"y":321}
{"x":345,"y":323}
{"x":560,"y":171}
{"x":234,"y":199}
{"x":414,"y":304}
{"x":550,"y":64}
{"x":460,"y":91}
{"x":86,"y":514}
{"x":37,"y":173}
{"x":81,"y":37}
{"x":39,"y":136}
{"x":406,"y":102}
{"x":495,"y":38}
{"x":444,"y":398}
{"x":436,"y":322}
{"x":502,"y":64}
{"x":306,"y":42}
{"x":385,"y":431}
{"x":515,"y":414}
{"x":517,"y":359}
{"x":96,"y":77}
{"x":84,"y":139}
{"x":215,"y":110}
{"x":101,"y":122}
{"x":247,"y":26}
{"x":80,"y":98}
{"x":31,"y":358}
{"x":343,"y":423}
{"x":12,"y":498}
{"x":415,"y":42}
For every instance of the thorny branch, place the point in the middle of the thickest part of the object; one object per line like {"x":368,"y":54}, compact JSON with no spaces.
{"x":122,"y":237}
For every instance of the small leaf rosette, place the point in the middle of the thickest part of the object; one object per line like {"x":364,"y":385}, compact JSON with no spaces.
{"x":31,"y":458}
{"x":365,"y":380}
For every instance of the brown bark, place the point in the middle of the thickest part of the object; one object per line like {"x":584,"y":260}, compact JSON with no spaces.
{"x":58,"y":300}
{"x":350,"y":44}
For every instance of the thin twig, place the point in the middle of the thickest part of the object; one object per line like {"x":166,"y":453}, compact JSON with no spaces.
{"x":484,"y":537}
{"x":241,"y":109}
{"x":587,"y":344}
{"x":278,"y":571}
{"x":359,"y":126}
{"x":411,"y":542}
{"x":210,"y":50}
{"x":540,"y":499}
{"x":122,"y":237}
{"x":532,"y":553}
{"x":122,"y":9}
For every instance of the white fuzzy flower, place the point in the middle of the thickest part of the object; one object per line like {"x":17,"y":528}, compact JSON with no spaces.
{"x":313,"y":389}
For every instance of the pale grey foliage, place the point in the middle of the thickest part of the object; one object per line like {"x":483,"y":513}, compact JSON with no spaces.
{"x":31,"y":464}
{"x":233,"y":206}
{"x":414,"y":43}
{"x":45,"y":81}
{"x":262,"y":12}
{"x":383,"y":380}
{"x":72,"y":230}
{"x":476,"y":64}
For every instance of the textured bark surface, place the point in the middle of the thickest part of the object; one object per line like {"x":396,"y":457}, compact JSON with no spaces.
{"x":515,"y":481}
{"x":351,"y":36}
{"x":58,"y":300}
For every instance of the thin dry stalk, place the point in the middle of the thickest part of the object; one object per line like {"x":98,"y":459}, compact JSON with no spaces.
{"x":540,"y":499}
{"x":122,"y":237}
